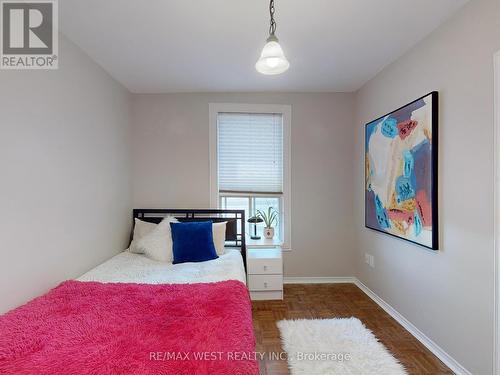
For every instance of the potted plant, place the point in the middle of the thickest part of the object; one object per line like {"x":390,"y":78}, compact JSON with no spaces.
{"x":270,"y":217}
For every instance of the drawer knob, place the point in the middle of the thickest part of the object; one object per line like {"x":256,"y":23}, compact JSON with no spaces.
{"x":265,"y":285}
{"x":265,"y":268}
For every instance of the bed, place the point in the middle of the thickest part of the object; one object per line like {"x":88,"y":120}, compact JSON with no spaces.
{"x":127,"y":267}
{"x":133,"y":315}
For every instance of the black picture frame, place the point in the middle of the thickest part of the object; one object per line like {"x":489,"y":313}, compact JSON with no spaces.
{"x":434,"y":97}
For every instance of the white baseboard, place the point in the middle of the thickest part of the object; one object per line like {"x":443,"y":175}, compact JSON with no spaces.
{"x":319,"y":280}
{"x":448,"y":360}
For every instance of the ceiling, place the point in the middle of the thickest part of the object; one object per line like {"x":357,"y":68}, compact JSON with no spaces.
{"x":159,"y":46}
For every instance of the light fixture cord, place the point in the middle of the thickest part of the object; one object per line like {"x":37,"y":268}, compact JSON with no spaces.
{"x":272,"y":27}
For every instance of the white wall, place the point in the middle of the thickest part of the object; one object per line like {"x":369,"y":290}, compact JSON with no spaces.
{"x":449,"y":294}
{"x":171,"y":168}
{"x":64,"y":167}
{"x":497,"y":206}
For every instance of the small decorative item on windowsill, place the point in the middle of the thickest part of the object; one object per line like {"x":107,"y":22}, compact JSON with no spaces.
{"x":270,"y":217}
{"x":255,"y":220}
{"x":269,"y":233}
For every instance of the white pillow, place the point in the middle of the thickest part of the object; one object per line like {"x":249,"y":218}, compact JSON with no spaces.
{"x":141,"y":229}
{"x":157,"y":244}
{"x":219,"y":234}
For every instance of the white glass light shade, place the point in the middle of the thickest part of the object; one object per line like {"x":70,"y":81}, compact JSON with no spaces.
{"x":272,"y":59}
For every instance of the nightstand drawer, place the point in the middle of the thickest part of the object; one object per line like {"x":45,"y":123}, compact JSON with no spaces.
{"x":265,"y":266}
{"x":265,"y":282}
{"x":267,"y":295}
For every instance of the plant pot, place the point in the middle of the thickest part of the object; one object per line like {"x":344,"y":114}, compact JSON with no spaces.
{"x":269,"y":233}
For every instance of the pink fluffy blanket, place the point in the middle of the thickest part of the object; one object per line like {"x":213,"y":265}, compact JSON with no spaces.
{"x":94,"y":328}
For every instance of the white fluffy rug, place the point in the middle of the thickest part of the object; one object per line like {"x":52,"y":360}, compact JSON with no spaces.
{"x":335,"y":346}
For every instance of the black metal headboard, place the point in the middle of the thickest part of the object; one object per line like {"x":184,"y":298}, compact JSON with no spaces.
{"x":235,"y":227}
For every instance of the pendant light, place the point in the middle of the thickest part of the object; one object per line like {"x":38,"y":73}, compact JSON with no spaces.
{"x":272,"y":59}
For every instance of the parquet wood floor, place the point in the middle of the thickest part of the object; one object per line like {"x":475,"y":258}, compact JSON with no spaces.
{"x":337,"y":301}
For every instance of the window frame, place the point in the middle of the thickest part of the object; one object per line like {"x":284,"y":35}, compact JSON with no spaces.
{"x":286,"y":113}
{"x":251,"y":207}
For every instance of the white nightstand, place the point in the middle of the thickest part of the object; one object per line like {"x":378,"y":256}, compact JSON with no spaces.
{"x":265,"y":273}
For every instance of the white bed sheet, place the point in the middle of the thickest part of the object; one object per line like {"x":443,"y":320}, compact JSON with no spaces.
{"x":127,"y":267}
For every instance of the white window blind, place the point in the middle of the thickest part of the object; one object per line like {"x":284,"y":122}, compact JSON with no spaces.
{"x":250,"y":152}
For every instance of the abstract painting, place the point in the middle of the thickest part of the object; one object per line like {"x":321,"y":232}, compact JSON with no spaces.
{"x":401,"y":172}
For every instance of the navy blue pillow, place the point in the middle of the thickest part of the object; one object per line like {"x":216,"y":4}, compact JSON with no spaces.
{"x":193,"y":242}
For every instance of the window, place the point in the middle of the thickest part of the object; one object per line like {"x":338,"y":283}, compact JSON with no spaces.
{"x":249,"y":161}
